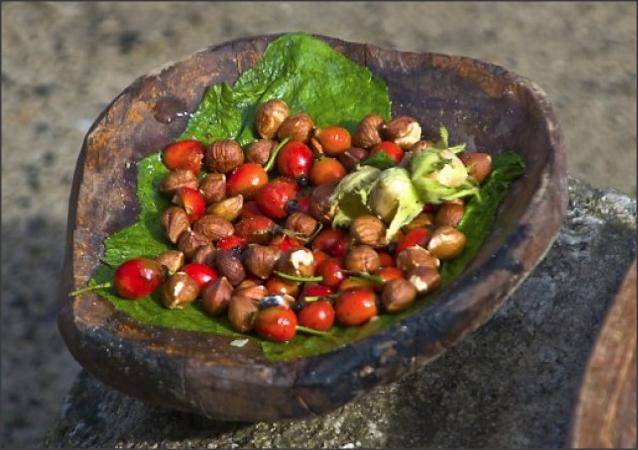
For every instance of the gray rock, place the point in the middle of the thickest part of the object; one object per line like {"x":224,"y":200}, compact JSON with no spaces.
{"x":513,"y":383}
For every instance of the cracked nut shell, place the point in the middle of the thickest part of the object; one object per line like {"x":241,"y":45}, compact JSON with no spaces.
{"x":205,"y":254}
{"x":223,"y":156}
{"x":367,"y":133}
{"x":320,"y":203}
{"x":175,"y":221}
{"x":213,"y":187}
{"x":363,"y":258}
{"x":189,"y":241}
{"x":178,"y":179}
{"x":172,"y":260}
{"x":404,"y":131}
{"x":178,"y":291}
{"x":213,"y":227}
{"x":260,"y":260}
{"x":270,"y":116}
{"x":424,"y":279}
{"x":416,"y":256}
{"x":216,"y":296}
{"x":302,"y":224}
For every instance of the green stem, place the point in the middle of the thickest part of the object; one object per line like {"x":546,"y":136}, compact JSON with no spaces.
{"x":314,"y":298}
{"x":311,"y":331}
{"x":365,"y":276}
{"x":90,"y":288}
{"x":273,"y":156}
{"x":286,"y":276}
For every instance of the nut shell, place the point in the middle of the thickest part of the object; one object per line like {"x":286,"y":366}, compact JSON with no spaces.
{"x":229,"y":265}
{"x":255,"y":292}
{"x":404,"y":131}
{"x":241,"y":313}
{"x":175,"y":222}
{"x":178,"y":179}
{"x":398,"y":295}
{"x":446,"y":243}
{"x":297,"y":127}
{"x":299,"y":262}
{"x":270,"y":116}
{"x":213,"y":227}
{"x":479,"y":165}
{"x":189,"y":241}
{"x":416,"y":256}
{"x":302,"y":224}
{"x":213,"y":187}
{"x":449,"y":214}
{"x":369,"y":230}
{"x":216,"y":296}
{"x":259,"y":152}
{"x":228,"y":209}
{"x":363,"y":258}
{"x":424,"y":279}
{"x":353,"y":156}
{"x":421,"y":145}
{"x":178,"y":291}
{"x":320,"y":203}
{"x":172,"y":260}
{"x":205,"y":254}
{"x":423,"y":220}
{"x":367,"y":133}
{"x":223,"y":156}
{"x":260,"y":260}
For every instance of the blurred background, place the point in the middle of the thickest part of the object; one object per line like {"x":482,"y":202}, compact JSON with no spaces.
{"x":62,"y":63}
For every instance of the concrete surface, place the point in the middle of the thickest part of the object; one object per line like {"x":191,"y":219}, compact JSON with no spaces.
{"x":63,"y":62}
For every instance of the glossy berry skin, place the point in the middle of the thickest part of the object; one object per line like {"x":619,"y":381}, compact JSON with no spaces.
{"x":387,"y":274}
{"x":285,"y":243}
{"x":355,"y":307}
{"x":429,"y":208}
{"x":304,"y":204}
{"x":332,"y":273}
{"x":326,"y":171}
{"x":386,"y":260}
{"x":273,"y":198}
{"x":389,"y":148}
{"x":187,"y":155}
{"x":276,"y":323}
{"x":231,"y":242}
{"x":279,"y":286}
{"x":192,"y":201}
{"x":320,"y":257}
{"x":247,"y":180}
{"x":315,"y":290}
{"x":250,"y":209}
{"x":137,"y":278}
{"x":418,"y":236}
{"x":332,"y":241}
{"x":201,"y":273}
{"x":319,"y":315}
{"x":255,"y":229}
{"x":294,"y":160}
{"x":335,"y":140}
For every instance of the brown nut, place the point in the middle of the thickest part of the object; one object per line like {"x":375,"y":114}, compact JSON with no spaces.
{"x":256,"y":292}
{"x":298,"y":262}
{"x":320,"y":203}
{"x":416,"y":256}
{"x":172,"y":260}
{"x":241,"y":313}
{"x":205,"y":254}
{"x":367,"y":133}
{"x":446,"y":243}
{"x":398,"y":295}
{"x":175,"y":222}
{"x":352,"y":157}
{"x":213,"y":227}
{"x":302,"y":224}
{"x":178,"y":291}
{"x":296,"y":127}
{"x":270,"y":116}
{"x":362,"y":258}
{"x":178,"y":179}
{"x":421,"y":145}
{"x":246,"y":284}
{"x":260,"y":260}
{"x":423,"y":220}
{"x":424,"y":279}
{"x":216,"y":296}
{"x":223,"y":156}
{"x":479,"y":165}
{"x":368,"y":230}
{"x":229,"y":265}
{"x":259,"y":152}
{"x":189,"y":241}
{"x":449,"y":214}
{"x":213,"y":187}
{"x":404,"y":131}
{"x":228,"y":209}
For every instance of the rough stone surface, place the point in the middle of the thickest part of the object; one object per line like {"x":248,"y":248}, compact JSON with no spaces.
{"x":513,"y":383}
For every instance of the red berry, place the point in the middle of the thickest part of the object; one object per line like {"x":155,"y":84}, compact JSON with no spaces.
{"x":327,"y":171}
{"x":320,"y":257}
{"x":137,"y":277}
{"x":418,"y":236}
{"x":332,"y":241}
{"x":285,"y":243}
{"x":249,"y":209}
{"x":185,"y":155}
{"x":273,"y":198}
{"x":388,"y":274}
{"x":192,"y":201}
{"x":429,"y":208}
{"x":294,"y":160}
{"x":201,"y":273}
{"x":334,"y":140}
{"x":319,"y":315}
{"x":332,"y":273}
{"x":389,"y":148}
{"x":255,"y":229}
{"x":276,"y":323}
{"x":315,"y":290}
{"x":356,"y":306}
{"x":304,"y":204}
{"x":246,"y":180}
{"x":230,"y":242}
{"x":386,"y":260}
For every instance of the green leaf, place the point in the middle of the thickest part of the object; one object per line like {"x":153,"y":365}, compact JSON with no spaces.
{"x":380,"y":160}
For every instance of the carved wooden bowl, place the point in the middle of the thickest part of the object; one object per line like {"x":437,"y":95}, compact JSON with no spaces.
{"x":484,"y":105}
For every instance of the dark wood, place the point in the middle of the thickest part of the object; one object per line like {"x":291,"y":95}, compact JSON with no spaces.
{"x":485,"y":105}
{"x":605,"y":416}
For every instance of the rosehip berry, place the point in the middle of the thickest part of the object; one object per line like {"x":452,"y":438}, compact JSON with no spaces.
{"x":294,"y":160}
{"x":304,"y":204}
{"x":201,"y":273}
{"x":327,"y":171}
{"x":418,"y":236}
{"x":276,"y":323}
{"x":273,"y":198}
{"x":231,"y":242}
{"x":137,"y":277}
{"x":332,"y":241}
{"x":285,"y":243}
{"x":389,"y":148}
{"x":387,"y":274}
{"x":334,"y":140}
{"x":386,"y":260}
{"x":187,"y":155}
{"x":192,"y":201}
{"x":319,"y":315}
{"x":315,"y":290}
{"x":255,"y":229}
{"x":320,"y":257}
{"x":356,"y":306}
{"x":332,"y":273}
{"x":250,"y":209}
{"x":246,"y":180}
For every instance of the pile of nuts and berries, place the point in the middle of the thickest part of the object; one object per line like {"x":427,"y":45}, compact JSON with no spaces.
{"x":253,"y":232}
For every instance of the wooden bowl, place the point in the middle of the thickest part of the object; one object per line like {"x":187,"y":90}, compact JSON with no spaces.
{"x":484,"y":105}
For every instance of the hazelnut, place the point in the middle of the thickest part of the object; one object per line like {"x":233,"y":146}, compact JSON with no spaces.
{"x":421,"y":145}
{"x":213,"y":227}
{"x":320,"y":203}
{"x":259,"y":152}
{"x":228,"y":209}
{"x":352,"y":157}
{"x":424,"y":279}
{"x":315,"y":145}
{"x":178,"y":179}
{"x":398,"y":295}
{"x":248,"y":282}
{"x":367,"y":133}
{"x":296,"y":127}
{"x":416,"y":256}
{"x":229,"y":265}
{"x":216,"y":296}
{"x":241,"y":313}
{"x":175,"y":222}
{"x":223,"y":156}
{"x":302,"y":224}
{"x":256,"y":292}
{"x":423,"y":220}
{"x":205,"y":254}
{"x":178,"y":291}
{"x":213,"y":187}
{"x":449,"y":214}
{"x":368,"y":230}
{"x":189,"y":241}
{"x":404,"y":131}
{"x":299,"y":262}
{"x":362,"y":258}
{"x":479,"y":165}
{"x":172,"y":260}
{"x":260,"y":260}
{"x":446,"y":243}
{"x":270,"y":116}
